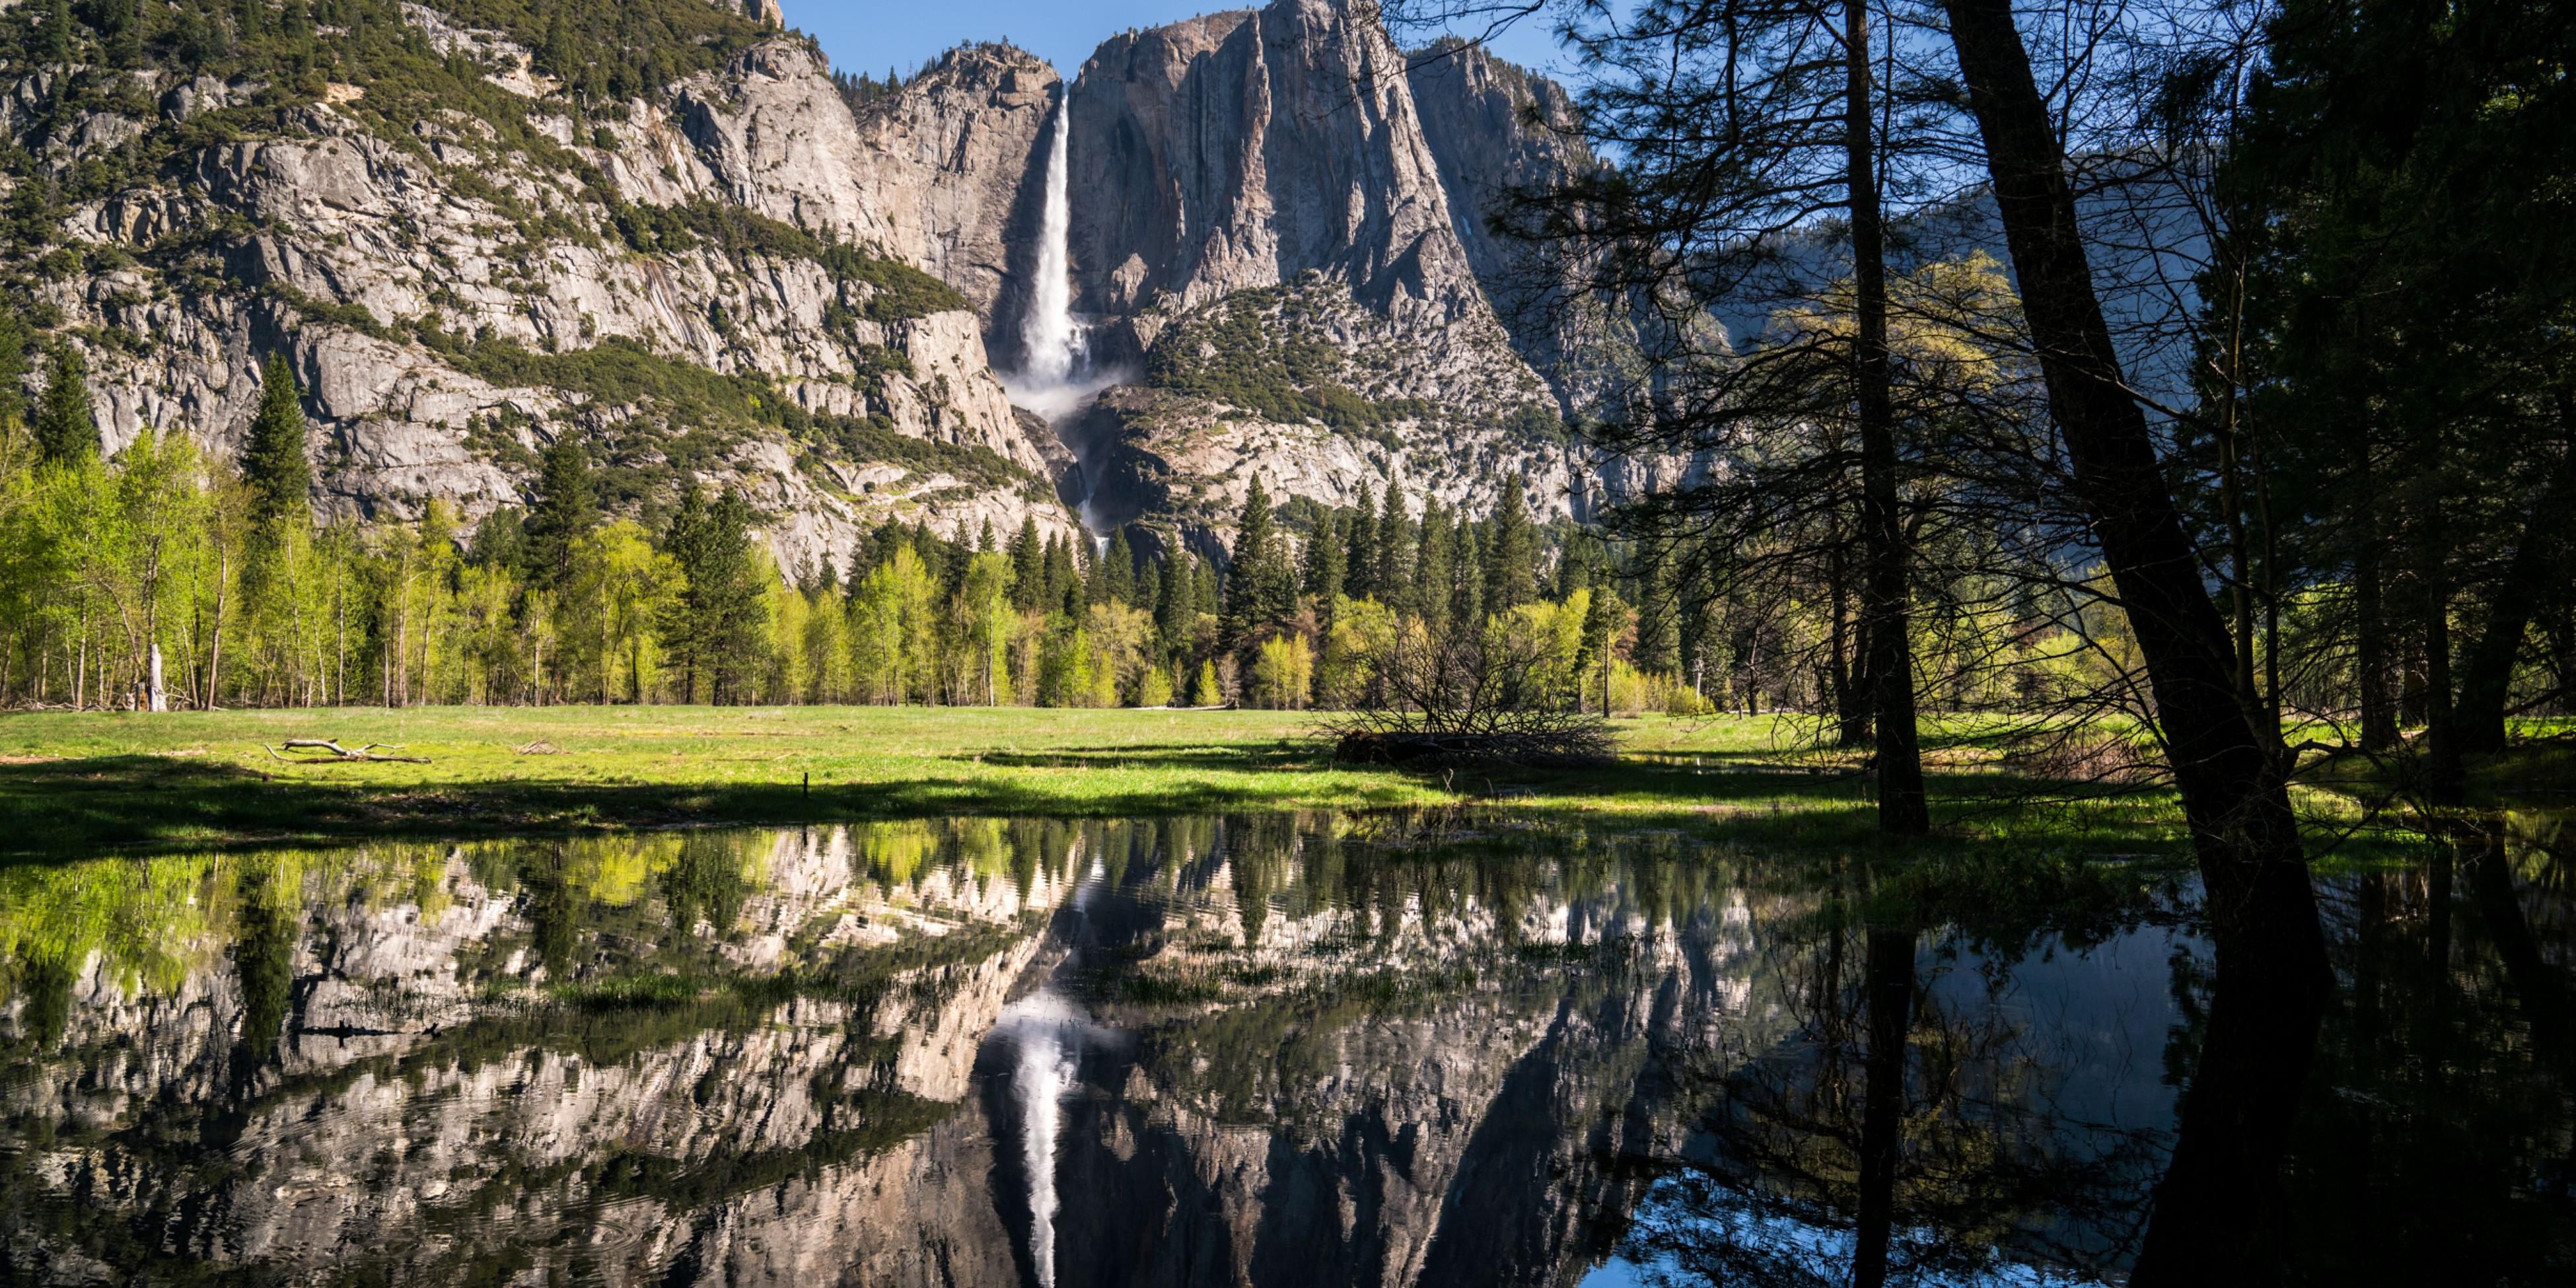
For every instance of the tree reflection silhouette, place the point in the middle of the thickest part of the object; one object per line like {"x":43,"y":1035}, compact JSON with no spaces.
{"x":1955,"y":1159}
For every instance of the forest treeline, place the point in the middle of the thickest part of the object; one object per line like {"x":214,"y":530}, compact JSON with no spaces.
{"x":165,"y":576}
{"x":166,"y":553}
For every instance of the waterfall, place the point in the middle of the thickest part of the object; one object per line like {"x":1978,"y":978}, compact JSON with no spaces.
{"x":1053,"y":337}
{"x":1057,"y":378}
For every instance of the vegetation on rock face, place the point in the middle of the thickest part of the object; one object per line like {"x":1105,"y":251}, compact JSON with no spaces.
{"x":896,"y":291}
{"x":479,"y":97}
{"x":1239,"y":355}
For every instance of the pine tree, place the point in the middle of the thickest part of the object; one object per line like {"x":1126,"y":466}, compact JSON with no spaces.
{"x":1061,"y":587}
{"x":1207,"y":591}
{"x":54,"y":33}
{"x":1360,"y":556}
{"x":1326,"y":563}
{"x":1436,"y":565}
{"x":564,"y":510}
{"x":1391,"y":563}
{"x":1149,"y":586}
{"x":66,"y":427}
{"x":712,"y":626}
{"x":274,"y":460}
{"x":1467,"y":599}
{"x":1601,"y":620}
{"x":1118,"y":570}
{"x":1511,"y":566}
{"x":1574,"y":569}
{"x":120,"y":31}
{"x":1028,"y":567}
{"x":1176,"y":609}
{"x":1659,"y":630}
{"x":500,"y":541}
{"x":1257,"y":577}
{"x":13,"y":370}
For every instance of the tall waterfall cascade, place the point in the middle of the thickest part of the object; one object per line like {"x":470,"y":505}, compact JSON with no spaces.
{"x":1057,"y":377}
{"x":1053,"y":337}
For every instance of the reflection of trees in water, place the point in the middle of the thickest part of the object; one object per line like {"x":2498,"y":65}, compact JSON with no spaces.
{"x":269,"y":923}
{"x":1894,"y":1136}
{"x":2437,"y":1139}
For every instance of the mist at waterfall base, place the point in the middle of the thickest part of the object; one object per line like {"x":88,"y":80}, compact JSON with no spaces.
{"x":1056,"y":378}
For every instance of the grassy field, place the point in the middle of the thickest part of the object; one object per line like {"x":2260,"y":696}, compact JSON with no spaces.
{"x":76,"y":783}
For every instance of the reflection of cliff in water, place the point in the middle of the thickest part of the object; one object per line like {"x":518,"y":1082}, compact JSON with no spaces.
{"x":1282,"y":1049}
{"x":753,"y":1058}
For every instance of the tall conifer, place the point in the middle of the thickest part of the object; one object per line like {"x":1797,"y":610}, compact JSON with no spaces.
{"x":274,"y":460}
{"x":1511,"y":565}
{"x":564,"y":510}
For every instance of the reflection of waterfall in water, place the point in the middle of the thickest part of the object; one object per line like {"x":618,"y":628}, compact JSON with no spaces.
{"x":1047,"y":1039}
{"x":1047,"y":1033}
{"x":1056,"y":378}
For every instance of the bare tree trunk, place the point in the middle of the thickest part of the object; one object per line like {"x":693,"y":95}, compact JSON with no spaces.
{"x":2446,"y":778}
{"x":1847,"y":671}
{"x":2486,"y":673}
{"x":1886,"y":634}
{"x":215,"y":637}
{"x":156,"y":698}
{"x":2378,"y":699}
{"x":2272,"y":975}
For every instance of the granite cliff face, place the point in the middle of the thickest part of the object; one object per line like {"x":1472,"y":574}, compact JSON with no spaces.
{"x":1236,"y":151}
{"x":951,"y":168}
{"x":719,"y":276}
{"x":1291,"y":164}
{"x":719,"y":279}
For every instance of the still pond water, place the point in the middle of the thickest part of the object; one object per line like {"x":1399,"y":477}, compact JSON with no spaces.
{"x":1270,"y":1050}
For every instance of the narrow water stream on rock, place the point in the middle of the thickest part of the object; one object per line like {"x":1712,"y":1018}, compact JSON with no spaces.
{"x":1311,"y":1049}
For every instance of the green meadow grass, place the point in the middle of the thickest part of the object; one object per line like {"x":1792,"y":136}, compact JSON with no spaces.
{"x":71,"y":784}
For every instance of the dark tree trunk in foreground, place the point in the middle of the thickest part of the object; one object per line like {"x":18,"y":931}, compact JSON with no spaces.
{"x":2213,"y":1210}
{"x":1885,"y":631}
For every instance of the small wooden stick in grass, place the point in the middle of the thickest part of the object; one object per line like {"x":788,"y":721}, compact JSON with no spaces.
{"x":339,"y":752}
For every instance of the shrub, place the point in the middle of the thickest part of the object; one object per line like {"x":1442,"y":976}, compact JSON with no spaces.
{"x":1686,"y":701}
{"x":1155,"y":690}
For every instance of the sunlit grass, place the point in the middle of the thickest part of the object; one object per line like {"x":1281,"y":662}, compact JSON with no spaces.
{"x":72,"y":783}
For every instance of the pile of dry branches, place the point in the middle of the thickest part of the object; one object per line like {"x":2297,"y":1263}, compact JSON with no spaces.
{"x":1465,"y":696}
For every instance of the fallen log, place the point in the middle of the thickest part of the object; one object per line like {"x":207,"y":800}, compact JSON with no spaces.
{"x":338,"y":752}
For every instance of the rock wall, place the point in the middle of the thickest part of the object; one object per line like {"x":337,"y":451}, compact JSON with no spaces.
{"x":450,"y":289}
{"x":447,"y":293}
{"x":1238,"y":150}
{"x":952,"y":167}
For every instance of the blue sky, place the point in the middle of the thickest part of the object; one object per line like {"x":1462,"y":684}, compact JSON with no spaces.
{"x":873,"y":35}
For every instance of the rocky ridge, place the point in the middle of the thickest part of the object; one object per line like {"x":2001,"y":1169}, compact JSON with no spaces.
{"x":700,"y":280}
{"x":708,"y":281}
